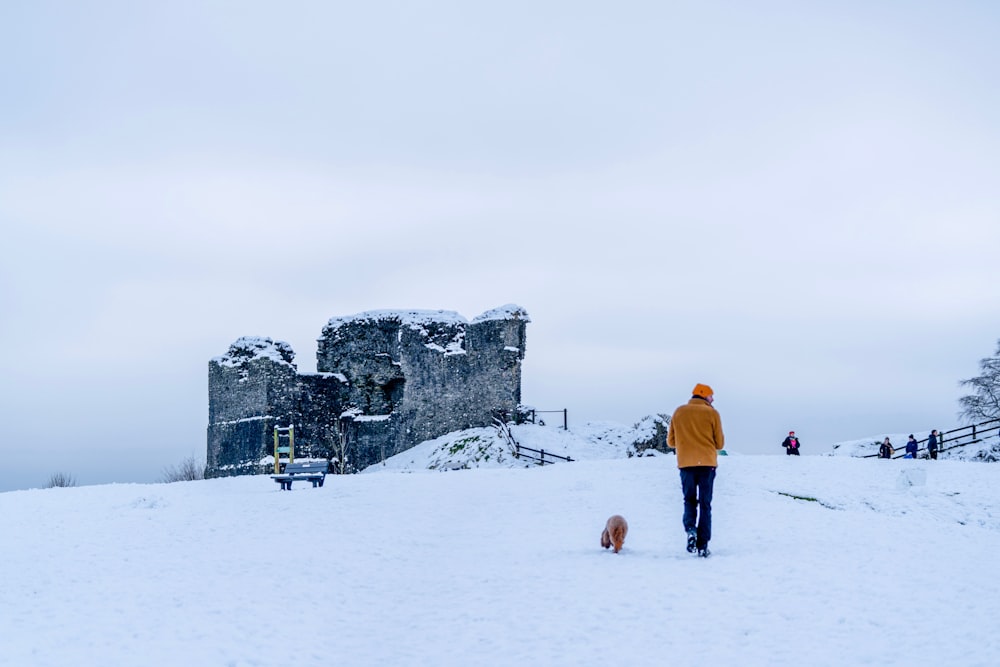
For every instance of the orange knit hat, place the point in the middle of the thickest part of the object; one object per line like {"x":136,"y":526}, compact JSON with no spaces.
{"x":702,"y":391}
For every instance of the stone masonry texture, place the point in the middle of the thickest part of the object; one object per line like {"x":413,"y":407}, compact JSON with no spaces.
{"x":385,"y":381}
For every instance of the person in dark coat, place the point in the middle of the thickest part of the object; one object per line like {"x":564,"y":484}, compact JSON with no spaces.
{"x":885,"y":450}
{"x":911,"y":447}
{"x":932,"y":444}
{"x":791,"y":444}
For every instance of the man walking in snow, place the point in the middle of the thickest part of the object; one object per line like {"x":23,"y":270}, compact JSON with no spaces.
{"x":695,"y":432}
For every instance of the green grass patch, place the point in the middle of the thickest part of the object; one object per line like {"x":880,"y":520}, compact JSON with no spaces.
{"x":460,"y":445}
{"x":792,"y":495}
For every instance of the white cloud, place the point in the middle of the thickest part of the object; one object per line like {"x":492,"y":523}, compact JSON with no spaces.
{"x":675,"y":194}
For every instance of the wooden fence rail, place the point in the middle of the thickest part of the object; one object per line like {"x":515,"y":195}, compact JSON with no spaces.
{"x":953,"y":439}
{"x":565,"y":413}
{"x":538,"y":455}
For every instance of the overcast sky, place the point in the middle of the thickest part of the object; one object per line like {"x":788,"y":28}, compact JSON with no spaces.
{"x":795,"y":204}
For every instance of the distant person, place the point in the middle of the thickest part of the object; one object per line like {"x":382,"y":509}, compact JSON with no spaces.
{"x":885,"y":450}
{"x":911,"y":447}
{"x":791,"y":444}
{"x":932,"y":444}
{"x":695,"y":431}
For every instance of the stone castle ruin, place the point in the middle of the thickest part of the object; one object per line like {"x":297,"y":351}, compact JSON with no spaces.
{"x":385,"y":381}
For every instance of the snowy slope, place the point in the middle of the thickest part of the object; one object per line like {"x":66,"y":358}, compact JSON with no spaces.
{"x":485,"y":448}
{"x":817,"y":561}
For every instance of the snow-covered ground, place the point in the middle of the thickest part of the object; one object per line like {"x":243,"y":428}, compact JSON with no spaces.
{"x":817,"y":560}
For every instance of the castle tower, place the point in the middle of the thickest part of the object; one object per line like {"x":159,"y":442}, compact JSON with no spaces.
{"x":385,"y":381}
{"x":250,"y":391}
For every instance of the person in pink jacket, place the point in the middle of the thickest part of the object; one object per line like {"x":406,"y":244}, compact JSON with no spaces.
{"x":791,"y":444}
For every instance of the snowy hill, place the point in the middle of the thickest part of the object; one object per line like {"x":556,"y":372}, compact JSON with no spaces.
{"x":817,"y":561}
{"x":486,"y":448}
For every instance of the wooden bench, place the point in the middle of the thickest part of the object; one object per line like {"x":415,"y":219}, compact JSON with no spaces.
{"x":312,"y":471}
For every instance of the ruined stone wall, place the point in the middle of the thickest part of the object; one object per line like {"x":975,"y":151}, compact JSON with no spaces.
{"x":386,"y":380}
{"x":248,"y":393}
{"x":451,"y":391}
{"x":316,"y":418}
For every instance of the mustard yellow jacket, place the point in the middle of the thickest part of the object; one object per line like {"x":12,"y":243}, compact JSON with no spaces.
{"x":695,"y":431}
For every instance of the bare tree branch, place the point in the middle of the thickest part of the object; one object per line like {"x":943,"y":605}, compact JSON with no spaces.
{"x":984,"y":401}
{"x":188,"y":470}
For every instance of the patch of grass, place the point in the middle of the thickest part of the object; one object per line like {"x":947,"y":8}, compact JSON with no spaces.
{"x":460,"y":445}
{"x":792,"y":495}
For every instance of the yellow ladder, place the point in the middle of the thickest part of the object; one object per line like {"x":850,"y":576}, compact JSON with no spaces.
{"x":288,"y":434}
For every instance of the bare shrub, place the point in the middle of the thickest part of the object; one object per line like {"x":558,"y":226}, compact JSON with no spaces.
{"x":186,"y":471}
{"x":61,"y":479}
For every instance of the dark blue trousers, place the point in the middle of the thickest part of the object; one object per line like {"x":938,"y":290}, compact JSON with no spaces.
{"x":697,"y":483}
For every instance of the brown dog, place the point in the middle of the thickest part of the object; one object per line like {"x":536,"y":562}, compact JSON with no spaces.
{"x":615,"y":532}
